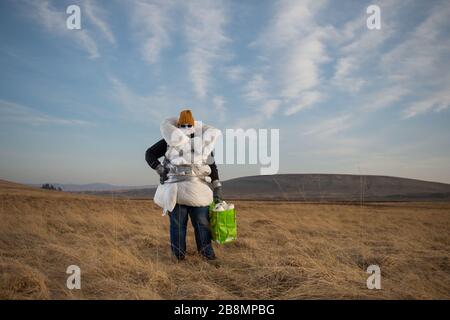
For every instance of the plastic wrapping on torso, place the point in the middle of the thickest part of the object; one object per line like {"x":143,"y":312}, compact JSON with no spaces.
{"x":187,"y":156}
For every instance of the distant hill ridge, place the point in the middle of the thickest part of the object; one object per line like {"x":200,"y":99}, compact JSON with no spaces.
{"x":319,"y":187}
{"x":93,"y":187}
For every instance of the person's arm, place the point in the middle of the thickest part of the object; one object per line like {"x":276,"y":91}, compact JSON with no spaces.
{"x":214,"y":175}
{"x":216,"y":184}
{"x":155,"y":152}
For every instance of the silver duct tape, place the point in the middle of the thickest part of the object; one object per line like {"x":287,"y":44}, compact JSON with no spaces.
{"x":180,"y":178}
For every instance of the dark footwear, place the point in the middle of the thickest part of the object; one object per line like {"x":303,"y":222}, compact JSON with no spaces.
{"x":211,"y":257}
{"x":207,"y":254}
{"x":179,"y":258}
{"x":213,"y":261}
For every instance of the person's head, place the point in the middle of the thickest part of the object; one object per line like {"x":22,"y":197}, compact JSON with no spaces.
{"x":186,"y":122}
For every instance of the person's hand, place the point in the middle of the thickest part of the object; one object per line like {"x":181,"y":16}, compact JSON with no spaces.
{"x":217,"y":191}
{"x":162,"y":173}
{"x":160,"y":169}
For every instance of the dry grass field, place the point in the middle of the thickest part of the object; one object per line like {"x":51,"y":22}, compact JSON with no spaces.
{"x":284,"y":250}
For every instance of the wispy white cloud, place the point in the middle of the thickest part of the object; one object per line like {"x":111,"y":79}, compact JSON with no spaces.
{"x":254,"y":120}
{"x":219,"y":107}
{"x":384,"y":97}
{"x":55,"y":21}
{"x":358,"y":47}
{"x":202,"y":24}
{"x":418,"y":63}
{"x":302,"y":70}
{"x":149,"y":108}
{"x":11,"y":112}
{"x":262,"y":112}
{"x":438,"y":101}
{"x":152,"y":21}
{"x":329,"y":127}
{"x":291,"y":20}
{"x":306,"y":100}
{"x":235,"y":73}
{"x":96,"y":15}
{"x":256,"y":89}
{"x":270,"y":107}
{"x":294,"y":35}
{"x":205,"y":35}
{"x":295,"y":44}
{"x":402,"y":71}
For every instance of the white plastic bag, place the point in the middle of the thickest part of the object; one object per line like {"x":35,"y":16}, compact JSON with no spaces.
{"x":223,"y":206}
{"x":166,"y":196}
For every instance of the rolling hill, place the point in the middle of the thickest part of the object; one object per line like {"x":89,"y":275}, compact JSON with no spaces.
{"x":318,"y":187}
{"x":69,"y":187}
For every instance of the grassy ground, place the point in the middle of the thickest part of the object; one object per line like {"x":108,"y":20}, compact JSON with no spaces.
{"x":284,"y":251}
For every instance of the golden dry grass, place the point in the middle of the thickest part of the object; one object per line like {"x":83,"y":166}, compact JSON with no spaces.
{"x":284,"y":251}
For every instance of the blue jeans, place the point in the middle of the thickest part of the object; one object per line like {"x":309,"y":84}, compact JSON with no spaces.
{"x":178,"y":225}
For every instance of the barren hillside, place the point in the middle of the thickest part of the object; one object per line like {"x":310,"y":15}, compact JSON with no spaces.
{"x":319,"y":188}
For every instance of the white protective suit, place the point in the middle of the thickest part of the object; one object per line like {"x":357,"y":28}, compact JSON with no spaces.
{"x":194,"y":192}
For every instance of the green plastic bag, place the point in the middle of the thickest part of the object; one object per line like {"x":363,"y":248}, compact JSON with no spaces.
{"x":223,"y":224}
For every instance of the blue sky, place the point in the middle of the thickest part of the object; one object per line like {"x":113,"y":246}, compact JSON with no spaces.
{"x":81,"y":106}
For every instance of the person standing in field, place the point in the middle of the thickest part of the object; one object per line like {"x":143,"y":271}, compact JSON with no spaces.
{"x":189,"y":180}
